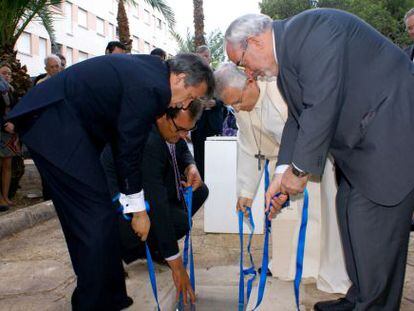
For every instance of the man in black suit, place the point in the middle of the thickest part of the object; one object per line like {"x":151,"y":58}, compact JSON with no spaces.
{"x":67,"y":120}
{"x":409,"y":25}
{"x":350,"y":92}
{"x":211,"y":121}
{"x":169,"y":220}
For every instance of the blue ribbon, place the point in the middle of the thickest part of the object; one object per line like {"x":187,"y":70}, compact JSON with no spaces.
{"x":251,"y":270}
{"x":150,"y":263}
{"x":265,"y":257}
{"x":301,"y":247}
{"x":188,"y":257}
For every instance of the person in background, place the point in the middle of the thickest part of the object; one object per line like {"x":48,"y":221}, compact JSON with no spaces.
{"x":53,"y":65}
{"x":115,"y":47}
{"x":62,"y":61}
{"x":409,"y":26}
{"x":159,"y":52}
{"x":211,"y":121}
{"x":9,"y":144}
{"x":43,"y":75}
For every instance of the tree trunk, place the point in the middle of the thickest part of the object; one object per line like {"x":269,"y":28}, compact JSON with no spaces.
{"x":21,"y":80}
{"x":123,"y":26}
{"x":198,"y":23}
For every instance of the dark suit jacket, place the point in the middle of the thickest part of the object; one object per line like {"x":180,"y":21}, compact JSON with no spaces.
{"x":410,"y":51}
{"x":211,"y":121}
{"x":109,"y":99}
{"x":160,"y":190}
{"x":349,"y":91}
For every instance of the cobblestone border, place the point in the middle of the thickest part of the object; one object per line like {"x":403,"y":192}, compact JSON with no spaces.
{"x":25,"y":218}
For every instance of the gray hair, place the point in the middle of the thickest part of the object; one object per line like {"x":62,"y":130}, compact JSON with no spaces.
{"x":202,"y":49}
{"x":195,"y":68}
{"x":246,"y":26}
{"x":408,"y":14}
{"x":52,"y":56}
{"x":228,"y":75}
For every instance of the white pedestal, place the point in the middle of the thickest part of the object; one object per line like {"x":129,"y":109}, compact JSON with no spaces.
{"x":220,"y":214}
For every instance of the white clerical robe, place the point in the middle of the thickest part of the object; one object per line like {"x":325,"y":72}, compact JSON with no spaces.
{"x":262,"y":129}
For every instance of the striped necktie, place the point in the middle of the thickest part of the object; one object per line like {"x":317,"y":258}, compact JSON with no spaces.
{"x":171,"y":148}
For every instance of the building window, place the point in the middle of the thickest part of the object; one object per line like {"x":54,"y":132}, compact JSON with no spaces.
{"x":147,"y":17}
{"x":69,"y":57}
{"x":68,"y":17}
{"x":82,"y":56}
{"x":82,"y":18}
{"x":135,"y":45}
{"x":42,"y":48}
{"x":159,"y":23}
{"x":100,"y":26}
{"x":116,"y":32}
{"x":147,"y":47}
{"x":111,"y":32}
{"x":24,"y":44}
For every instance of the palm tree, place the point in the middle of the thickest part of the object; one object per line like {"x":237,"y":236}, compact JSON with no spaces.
{"x":198,"y":23}
{"x":122,"y":18}
{"x":15,"y":15}
{"x":215,"y":42}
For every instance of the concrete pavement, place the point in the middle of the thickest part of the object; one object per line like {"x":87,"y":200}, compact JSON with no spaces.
{"x":36,"y":274}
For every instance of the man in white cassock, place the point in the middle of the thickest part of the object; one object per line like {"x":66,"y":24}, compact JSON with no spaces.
{"x":261,"y":114}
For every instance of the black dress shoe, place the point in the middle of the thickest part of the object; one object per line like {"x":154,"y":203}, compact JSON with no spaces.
{"x":125,"y":303}
{"x":268,"y":273}
{"x":341,"y":304}
{"x":4,"y":208}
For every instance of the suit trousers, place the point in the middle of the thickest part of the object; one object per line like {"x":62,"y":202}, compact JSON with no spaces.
{"x":375,"y":242}
{"x":90,"y":227}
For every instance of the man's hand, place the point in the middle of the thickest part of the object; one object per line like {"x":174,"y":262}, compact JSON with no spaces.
{"x":274,"y":204}
{"x":9,"y":127}
{"x":181,"y":280}
{"x":292,"y":184}
{"x":242,"y":203}
{"x":141,"y":224}
{"x":193,"y":177}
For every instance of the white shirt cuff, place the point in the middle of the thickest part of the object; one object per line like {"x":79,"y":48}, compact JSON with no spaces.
{"x":173,"y":257}
{"x":280,"y":169}
{"x":133,"y":203}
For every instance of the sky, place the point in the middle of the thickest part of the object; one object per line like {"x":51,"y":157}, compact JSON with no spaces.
{"x":218,"y":14}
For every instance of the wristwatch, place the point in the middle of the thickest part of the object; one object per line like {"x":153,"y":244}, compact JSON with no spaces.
{"x":297,"y":172}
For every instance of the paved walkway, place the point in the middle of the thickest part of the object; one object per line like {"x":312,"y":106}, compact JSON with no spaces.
{"x":36,"y":274}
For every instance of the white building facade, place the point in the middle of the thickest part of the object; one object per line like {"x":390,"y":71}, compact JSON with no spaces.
{"x":83,"y":28}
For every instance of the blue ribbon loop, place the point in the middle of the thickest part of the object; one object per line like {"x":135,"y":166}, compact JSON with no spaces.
{"x":188,"y":257}
{"x":265,"y":257}
{"x":150,"y":263}
{"x":301,"y":247}
{"x":251,"y":270}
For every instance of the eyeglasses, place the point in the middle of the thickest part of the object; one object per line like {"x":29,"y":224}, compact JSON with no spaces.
{"x":181,"y":129}
{"x":240,"y":63}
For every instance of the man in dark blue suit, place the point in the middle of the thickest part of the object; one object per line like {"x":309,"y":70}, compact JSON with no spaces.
{"x":67,"y":120}
{"x":350,"y":93}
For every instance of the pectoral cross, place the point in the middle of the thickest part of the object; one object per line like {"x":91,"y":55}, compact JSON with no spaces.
{"x":259,"y":156}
